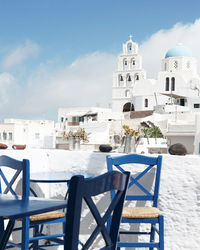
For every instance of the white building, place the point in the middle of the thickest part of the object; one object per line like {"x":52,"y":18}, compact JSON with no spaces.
{"x":175,"y":94}
{"x":177,"y":83}
{"x":179,"y":79}
{"x":79,"y":115}
{"x":95,"y":120}
{"x":32,"y":133}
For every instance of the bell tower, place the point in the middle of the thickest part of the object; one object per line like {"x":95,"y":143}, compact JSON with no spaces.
{"x":129,"y":71}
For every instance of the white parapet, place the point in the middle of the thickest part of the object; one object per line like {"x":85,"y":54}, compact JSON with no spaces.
{"x":179,"y":188}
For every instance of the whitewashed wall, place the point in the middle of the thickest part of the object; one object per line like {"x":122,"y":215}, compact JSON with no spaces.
{"x":179,"y":190}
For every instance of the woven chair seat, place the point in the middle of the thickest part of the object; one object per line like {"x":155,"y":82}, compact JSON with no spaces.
{"x":140,"y":212}
{"x":47,"y":216}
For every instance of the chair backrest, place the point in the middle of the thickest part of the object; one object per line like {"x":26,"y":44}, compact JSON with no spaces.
{"x":84,"y":189}
{"x":8,"y":178}
{"x":149,"y":163}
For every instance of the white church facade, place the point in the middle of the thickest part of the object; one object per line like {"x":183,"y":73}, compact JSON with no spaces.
{"x":178,"y":82}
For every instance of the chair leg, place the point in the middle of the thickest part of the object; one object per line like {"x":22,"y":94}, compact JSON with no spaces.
{"x":118,"y":239}
{"x":161,"y":232}
{"x":7,"y":234}
{"x":35,"y":233}
{"x":1,"y":227}
{"x":25,"y":233}
{"x":152,"y":236}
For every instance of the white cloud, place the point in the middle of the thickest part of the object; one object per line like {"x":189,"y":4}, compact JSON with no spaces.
{"x":9,"y":95}
{"x":6,"y":84}
{"x":154,"y":49}
{"x":20,"y":54}
{"x":86,"y":82}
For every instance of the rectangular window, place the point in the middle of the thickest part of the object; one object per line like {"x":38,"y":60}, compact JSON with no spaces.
{"x":196,"y":105}
{"x":37,"y":135}
{"x":167,"y":84}
{"x":10,"y":137}
{"x":4,"y":136}
{"x":182,"y":102}
{"x":146,"y":103}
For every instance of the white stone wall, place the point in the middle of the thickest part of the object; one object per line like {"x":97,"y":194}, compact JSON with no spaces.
{"x":24,"y":132}
{"x":179,"y":198}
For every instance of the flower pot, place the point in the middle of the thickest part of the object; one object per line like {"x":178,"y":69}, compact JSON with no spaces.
{"x":74,"y":143}
{"x":21,"y":147}
{"x":129,"y":146}
{"x":3,"y":146}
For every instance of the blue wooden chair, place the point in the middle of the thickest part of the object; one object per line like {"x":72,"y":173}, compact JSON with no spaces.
{"x":20,"y":170}
{"x":11,"y":171}
{"x":85,"y":189}
{"x":149,"y":214}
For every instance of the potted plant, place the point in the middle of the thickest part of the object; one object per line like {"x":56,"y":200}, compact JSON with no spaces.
{"x":75,"y":137}
{"x":131,"y":137}
{"x":150,"y":130}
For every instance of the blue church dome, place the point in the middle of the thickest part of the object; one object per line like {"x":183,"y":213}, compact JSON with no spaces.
{"x":179,"y":50}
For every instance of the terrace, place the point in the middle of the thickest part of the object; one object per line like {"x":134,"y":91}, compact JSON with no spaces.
{"x":179,"y":191}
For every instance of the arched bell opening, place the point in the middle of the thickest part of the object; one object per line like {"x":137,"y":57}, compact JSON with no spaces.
{"x":128,"y":107}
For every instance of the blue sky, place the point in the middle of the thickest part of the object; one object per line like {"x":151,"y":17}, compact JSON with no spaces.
{"x":62,"y":53}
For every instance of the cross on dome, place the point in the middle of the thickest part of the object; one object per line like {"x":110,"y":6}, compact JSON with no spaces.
{"x":130,"y":37}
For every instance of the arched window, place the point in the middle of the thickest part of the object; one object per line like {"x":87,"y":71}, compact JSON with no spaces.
{"x":167,"y":84}
{"x":173,"y":84}
{"x":133,"y":63}
{"x":146,"y":103}
{"x":129,"y":48}
{"x":128,"y":107}
{"x":127,"y":93}
{"x":125,"y":62}
{"x":121,"y":81}
{"x":129,"y":78}
{"x":136,"y":77}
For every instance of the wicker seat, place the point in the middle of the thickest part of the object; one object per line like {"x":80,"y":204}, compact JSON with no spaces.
{"x":140,"y":212}
{"x":47,"y":216}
